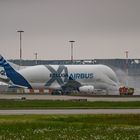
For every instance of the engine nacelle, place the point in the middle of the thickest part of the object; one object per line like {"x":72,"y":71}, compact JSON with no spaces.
{"x":89,"y":89}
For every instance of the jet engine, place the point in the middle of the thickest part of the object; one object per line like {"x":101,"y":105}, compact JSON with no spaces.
{"x":87,"y":88}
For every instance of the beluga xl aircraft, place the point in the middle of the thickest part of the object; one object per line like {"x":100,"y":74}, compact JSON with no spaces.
{"x":83,"y":78}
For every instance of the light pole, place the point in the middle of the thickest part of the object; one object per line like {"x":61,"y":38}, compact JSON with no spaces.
{"x":126,"y":54}
{"x":20,"y":51}
{"x":72,"y":41}
{"x":36,"y":54}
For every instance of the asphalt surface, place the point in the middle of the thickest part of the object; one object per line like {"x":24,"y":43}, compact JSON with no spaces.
{"x":70,"y":111}
{"x":62,"y":97}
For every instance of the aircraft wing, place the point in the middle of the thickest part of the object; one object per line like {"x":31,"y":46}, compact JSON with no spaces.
{"x":71,"y":85}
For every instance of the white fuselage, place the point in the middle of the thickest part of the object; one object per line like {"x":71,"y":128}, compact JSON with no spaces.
{"x":55,"y":76}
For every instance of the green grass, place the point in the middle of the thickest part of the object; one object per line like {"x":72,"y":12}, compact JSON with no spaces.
{"x":50,"y":104}
{"x":70,"y":127}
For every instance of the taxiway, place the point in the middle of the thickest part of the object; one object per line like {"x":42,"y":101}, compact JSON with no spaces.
{"x":63,"y":97}
{"x":69,"y":111}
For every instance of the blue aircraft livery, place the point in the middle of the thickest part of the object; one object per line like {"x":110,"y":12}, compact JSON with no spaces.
{"x":57,"y":75}
{"x":73,"y":75}
{"x":14,"y":76}
{"x":76,"y":76}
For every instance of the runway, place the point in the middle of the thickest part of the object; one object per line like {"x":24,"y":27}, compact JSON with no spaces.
{"x":63,"y":97}
{"x":69,"y":111}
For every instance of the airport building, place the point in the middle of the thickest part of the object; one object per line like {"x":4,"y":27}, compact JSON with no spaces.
{"x":133,"y":65}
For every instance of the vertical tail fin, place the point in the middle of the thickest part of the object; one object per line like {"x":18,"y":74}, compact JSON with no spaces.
{"x":13,"y":75}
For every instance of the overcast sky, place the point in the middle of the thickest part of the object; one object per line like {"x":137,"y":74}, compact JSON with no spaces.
{"x":101,"y":28}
